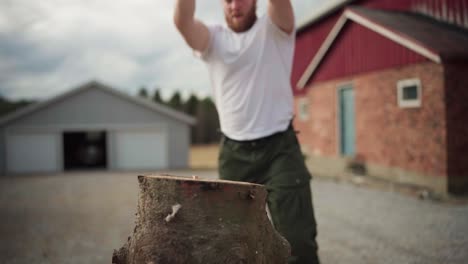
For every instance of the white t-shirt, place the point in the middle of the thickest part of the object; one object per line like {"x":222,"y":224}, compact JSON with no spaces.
{"x":250,"y":76}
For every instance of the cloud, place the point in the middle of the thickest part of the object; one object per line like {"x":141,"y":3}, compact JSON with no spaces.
{"x":50,"y":46}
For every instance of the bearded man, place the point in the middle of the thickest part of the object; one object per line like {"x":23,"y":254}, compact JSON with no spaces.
{"x":250,"y":63}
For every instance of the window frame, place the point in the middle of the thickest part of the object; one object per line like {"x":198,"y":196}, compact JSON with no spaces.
{"x":303,"y":102}
{"x":401,"y":85}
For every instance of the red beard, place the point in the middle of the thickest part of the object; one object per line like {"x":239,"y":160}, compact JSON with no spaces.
{"x":246,"y":22}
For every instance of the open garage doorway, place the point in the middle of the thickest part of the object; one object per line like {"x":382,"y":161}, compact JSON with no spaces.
{"x":84,"y":150}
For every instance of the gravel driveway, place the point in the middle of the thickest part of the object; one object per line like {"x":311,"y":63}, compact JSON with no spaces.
{"x":82,"y":217}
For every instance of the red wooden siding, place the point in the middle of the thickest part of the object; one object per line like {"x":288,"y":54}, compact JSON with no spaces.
{"x":359,"y":50}
{"x":309,"y":40}
{"x":307,"y":45}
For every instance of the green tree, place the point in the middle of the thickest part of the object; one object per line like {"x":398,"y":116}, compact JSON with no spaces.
{"x":207,"y":128}
{"x":7,"y":106}
{"x":200,"y":130}
{"x":176,"y":101}
{"x":157,"y":96}
{"x":190,"y":108}
{"x":143,"y":92}
{"x":214,"y":133}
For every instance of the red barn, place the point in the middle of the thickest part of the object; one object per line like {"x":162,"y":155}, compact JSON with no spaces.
{"x":381,"y":88}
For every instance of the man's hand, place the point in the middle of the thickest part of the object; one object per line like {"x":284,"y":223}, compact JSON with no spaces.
{"x":282,"y":14}
{"x":195,"y":33}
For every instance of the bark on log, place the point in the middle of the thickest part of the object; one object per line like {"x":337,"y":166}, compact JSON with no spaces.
{"x":185,"y":220}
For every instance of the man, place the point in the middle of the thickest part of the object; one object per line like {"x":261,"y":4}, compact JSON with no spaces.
{"x":250,"y":64}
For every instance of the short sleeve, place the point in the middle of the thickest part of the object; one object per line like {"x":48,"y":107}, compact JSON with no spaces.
{"x":208,"y":52}
{"x":278,"y":31}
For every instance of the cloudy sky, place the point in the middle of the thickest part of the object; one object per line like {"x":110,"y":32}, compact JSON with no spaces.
{"x":50,"y":46}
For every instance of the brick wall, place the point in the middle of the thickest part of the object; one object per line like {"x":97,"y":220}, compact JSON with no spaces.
{"x":318,"y":134}
{"x":412,"y":139}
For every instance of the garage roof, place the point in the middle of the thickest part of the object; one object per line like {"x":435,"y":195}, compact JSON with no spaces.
{"x":161,"y":109}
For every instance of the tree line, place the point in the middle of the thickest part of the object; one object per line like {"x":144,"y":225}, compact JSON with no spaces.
{"x":206,"y":130}
{"x":7,"y":106}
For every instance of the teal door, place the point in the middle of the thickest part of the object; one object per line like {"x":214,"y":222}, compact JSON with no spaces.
{"x":347,"y":121}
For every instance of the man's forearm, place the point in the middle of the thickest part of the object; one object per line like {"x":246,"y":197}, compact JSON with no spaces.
{"x":184,"y":14}
{"x":195,"y":33}
{"x":282,"y":14}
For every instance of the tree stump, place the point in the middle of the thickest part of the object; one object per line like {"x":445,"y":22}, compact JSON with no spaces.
{"x":186,"y":220}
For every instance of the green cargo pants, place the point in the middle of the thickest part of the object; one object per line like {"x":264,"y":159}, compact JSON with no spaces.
{"x":277,"y":162}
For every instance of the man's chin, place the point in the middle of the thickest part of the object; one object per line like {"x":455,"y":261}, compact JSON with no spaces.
{"x":240,"y":26}
{"x":237,"y":28}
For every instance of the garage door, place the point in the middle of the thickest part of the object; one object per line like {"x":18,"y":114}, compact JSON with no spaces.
{"x":32,"y":153}
{"x":141,"y":150}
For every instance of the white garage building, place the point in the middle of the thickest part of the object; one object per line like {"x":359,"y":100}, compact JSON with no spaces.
{"x":94,"y":127}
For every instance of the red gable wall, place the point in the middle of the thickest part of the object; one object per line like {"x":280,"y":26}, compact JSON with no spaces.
{"x":311,"y":38}
{"x":308,"y":43}
{"x":360,"y":50}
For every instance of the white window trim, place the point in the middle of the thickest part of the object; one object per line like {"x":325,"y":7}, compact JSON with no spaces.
{"x":303,"y":116}
{"x":409,"y":103}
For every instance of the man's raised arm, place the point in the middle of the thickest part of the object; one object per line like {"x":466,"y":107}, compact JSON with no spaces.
{"x":282,"y":14}
{"x":195,"y":33}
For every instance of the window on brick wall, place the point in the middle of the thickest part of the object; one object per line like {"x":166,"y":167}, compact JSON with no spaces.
{"x":303,"y":110}
{"x":409,"y":93}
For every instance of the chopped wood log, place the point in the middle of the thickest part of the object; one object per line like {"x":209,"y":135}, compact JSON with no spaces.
{"x":187,"y":220}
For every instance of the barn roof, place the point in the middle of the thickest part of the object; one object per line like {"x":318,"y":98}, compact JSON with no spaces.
{"x":161,"y":109}
{"x":448,"y":41}
{"x":433,"y":39}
